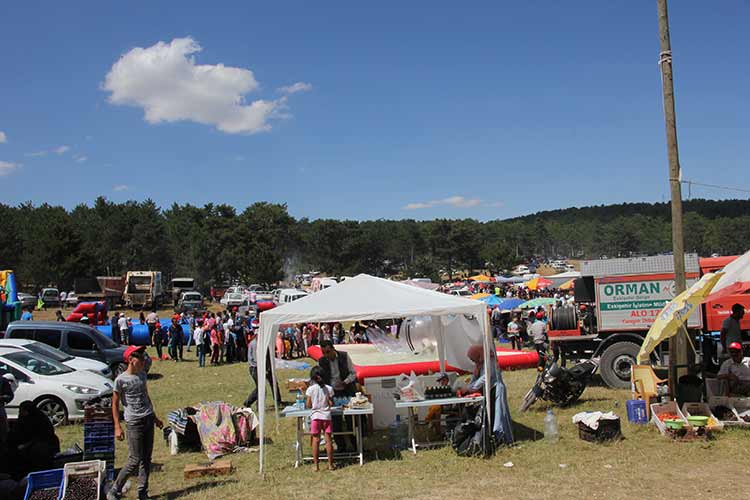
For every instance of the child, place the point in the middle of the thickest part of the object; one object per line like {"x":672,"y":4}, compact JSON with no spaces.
{"x":131,"y":390}
{"x":319,"y":399}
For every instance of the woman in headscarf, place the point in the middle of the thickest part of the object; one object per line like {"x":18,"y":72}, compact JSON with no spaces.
{"x":33,"y":441}
{"x":498,"y":400}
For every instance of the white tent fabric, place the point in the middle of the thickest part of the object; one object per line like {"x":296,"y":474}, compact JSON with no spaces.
{"x":363,"y":298}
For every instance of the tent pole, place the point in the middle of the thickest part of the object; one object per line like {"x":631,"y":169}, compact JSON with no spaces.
{"x":488,"y":344}
{"x":261,"y":387}
{"x":441,"y":341}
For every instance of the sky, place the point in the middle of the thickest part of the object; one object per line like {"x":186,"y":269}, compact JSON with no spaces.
{"x":368,"y":110}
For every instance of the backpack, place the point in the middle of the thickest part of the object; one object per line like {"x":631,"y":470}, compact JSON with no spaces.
{"x":473,"y":437}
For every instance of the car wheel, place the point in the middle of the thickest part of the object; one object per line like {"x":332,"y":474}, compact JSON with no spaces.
{"x":55,"y":410}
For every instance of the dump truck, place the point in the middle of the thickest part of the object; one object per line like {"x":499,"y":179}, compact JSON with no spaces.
{"x":107,"y":289}
{"x":143,"y":289}
{"x":617,"y":302}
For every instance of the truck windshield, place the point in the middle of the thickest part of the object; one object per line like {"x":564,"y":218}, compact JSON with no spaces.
{"x":191,"y":296}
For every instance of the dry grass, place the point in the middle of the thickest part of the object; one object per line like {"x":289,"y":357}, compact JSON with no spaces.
{"x":643,"y":465}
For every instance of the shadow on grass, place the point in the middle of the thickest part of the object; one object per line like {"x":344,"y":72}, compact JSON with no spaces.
{"x":169,"y":495}
{"x":523,"y":433}
{"x":154,"y":376}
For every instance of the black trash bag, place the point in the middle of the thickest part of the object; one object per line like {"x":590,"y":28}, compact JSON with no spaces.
{"x":473,"y":436}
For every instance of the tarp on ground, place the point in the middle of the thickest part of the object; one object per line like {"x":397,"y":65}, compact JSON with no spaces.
{"x":365,"y":298}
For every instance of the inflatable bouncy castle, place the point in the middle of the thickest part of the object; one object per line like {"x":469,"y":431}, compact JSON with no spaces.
{"x":10,"y":306}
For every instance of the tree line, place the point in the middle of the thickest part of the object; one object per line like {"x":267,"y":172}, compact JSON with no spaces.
{"x":216,"y":244}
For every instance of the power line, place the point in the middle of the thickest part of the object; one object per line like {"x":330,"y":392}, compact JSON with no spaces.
{"x":690,"y":184}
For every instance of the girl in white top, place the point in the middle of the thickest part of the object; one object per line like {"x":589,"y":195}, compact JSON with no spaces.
{"x":319,"y":399}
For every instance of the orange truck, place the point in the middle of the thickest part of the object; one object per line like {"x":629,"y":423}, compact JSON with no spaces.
{"x":617,"y":301}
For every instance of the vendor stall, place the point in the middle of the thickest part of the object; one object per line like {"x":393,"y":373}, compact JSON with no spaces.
{"x":369,"y":298}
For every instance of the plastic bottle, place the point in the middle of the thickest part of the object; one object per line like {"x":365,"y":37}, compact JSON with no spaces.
{"x":398,"y":434}
{"x":551,"y":432}
{"x":299,"y":403}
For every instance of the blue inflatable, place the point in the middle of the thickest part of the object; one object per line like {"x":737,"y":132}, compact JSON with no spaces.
{"x":139,"y":333}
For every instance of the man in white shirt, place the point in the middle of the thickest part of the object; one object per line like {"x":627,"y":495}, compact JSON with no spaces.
{"x":124,"y":329}
{"x":735,"y":372}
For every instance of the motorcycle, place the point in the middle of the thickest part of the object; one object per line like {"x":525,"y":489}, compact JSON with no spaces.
{"x":558,"y":385}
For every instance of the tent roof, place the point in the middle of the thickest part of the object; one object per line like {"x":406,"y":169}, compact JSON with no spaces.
{"x":367,"y":297}
{"x":567,"y":274}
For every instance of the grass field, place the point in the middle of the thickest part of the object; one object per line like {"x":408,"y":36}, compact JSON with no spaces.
{"x":643,"y":465}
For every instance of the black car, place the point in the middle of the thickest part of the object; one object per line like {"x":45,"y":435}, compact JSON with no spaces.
{"x":75,"y":339}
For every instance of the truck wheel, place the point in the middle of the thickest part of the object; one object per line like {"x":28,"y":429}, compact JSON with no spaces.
{"x":615,"y":364}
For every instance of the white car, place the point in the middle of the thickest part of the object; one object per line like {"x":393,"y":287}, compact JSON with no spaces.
{"x":233,"y":299}
{"x":74,"y":362}
{"x":59,"y":391}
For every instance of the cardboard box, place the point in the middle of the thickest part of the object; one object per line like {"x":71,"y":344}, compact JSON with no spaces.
{"x":217,"y":468}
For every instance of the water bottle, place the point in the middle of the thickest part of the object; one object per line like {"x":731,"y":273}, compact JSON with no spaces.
{"x":299,"y":403}
{"x":551,"y":433}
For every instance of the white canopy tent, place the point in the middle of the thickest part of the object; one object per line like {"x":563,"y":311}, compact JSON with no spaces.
{"x":364,"y":298}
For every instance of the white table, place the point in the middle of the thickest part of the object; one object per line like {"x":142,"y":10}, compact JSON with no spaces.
{"x":357,"y":413}
{"x":411,"y":406}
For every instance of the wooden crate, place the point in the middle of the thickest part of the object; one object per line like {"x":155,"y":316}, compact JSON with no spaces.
{"x":217,"y":468}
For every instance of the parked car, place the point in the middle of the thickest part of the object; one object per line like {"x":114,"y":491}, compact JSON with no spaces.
{"x":75,"y":339}
{"x":27,"y":299}
{"x":51,"y":297}
{"x":233,"y":299}
{"x":58,"y":390}
{"x":190,"y":301}
{"x":71,"y":300}
{"x":73,"y":362}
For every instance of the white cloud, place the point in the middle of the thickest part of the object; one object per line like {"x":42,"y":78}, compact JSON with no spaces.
{"x":80,"y":158}
{"x":453,"y":201}
{"x":36,"y":154}
{"x":61,"y":149}
{"x":3,"y":137}
{"x":295,"y":87}
{"x":8,"y":167}
{"x":166,"y":82}
{"x":120,"y":187}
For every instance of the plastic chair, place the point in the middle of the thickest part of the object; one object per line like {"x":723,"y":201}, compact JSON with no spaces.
{"x":645,"y":383}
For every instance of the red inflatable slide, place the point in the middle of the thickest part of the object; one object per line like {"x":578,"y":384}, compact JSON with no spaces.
{"x":96,"y":312}
{"x":507,"y":359}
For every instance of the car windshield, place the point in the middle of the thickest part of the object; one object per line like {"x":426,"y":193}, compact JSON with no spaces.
{"x":235,"y":296}
{"x":36,"y":363}
{"x":48,"y":351}
{"x":192,"y":296}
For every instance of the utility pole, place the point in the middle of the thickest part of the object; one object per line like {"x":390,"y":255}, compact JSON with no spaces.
{"x":678,"y":355}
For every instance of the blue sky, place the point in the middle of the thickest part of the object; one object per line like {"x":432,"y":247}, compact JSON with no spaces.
{"x":431,"y":109}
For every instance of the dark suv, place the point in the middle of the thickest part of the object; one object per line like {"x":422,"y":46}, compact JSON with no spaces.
{"x":75,"y":339}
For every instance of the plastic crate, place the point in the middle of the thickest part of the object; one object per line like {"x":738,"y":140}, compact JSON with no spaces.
{"x":636,"y":411}
{"x":96,"y":468}
{"x":102,"y":448}
{"x":97,"y":415}
{"x":661,"y":408}
{"x":703,"y":410}
{"x":735,"y":421}
{"x":43,"y":480}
